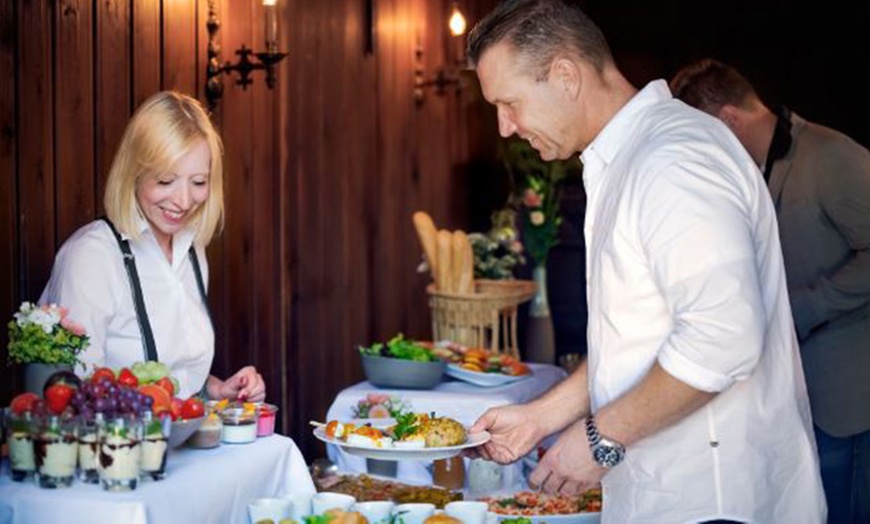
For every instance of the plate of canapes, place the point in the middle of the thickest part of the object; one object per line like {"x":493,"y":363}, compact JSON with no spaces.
{"x":414,"y":436}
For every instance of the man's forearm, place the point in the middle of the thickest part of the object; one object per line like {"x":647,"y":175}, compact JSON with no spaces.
{"x":567,"y":402}
{"x":658,"y":401}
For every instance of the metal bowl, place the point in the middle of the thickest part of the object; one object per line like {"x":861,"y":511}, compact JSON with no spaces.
{"x":388,"y":372}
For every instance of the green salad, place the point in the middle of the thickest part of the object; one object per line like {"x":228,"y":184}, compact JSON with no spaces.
{"x":400,"y":348}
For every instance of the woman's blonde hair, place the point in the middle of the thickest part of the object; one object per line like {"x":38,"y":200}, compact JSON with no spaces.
{"x":164,"y":128}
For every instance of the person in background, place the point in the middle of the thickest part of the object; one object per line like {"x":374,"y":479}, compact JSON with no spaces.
{"x":692,"y":405}
{"x":820,"y":183}
{"x":164,"y":198}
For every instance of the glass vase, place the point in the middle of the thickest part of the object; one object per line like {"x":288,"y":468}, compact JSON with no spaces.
{"x":540,"y":338}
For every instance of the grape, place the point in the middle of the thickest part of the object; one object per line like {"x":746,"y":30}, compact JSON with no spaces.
{"x":102,"y":405}
{"x":135,"y":405}
{"x":78,"y":398}
{"x":113,"y":403}
{"x":112,"y":389}
{"x":148,"y":401}
{"x":98,"y":390}
{"x":86,"y":412}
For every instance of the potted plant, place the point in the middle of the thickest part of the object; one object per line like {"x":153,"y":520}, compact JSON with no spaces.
{"x":43,"y":339}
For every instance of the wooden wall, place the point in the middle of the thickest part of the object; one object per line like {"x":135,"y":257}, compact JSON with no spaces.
{"x":322,"y":173}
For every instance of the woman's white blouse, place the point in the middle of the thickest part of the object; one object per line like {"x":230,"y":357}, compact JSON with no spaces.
{"x":89,"y":278}
{"x":684,"y":268}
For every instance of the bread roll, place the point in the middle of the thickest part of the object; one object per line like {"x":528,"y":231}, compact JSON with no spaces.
{"x":444,"y":274}
{"x":427,"y":233}
{"x":463,"y":263}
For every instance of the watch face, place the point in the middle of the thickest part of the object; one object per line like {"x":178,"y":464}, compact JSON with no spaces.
{"x":607,"y":456}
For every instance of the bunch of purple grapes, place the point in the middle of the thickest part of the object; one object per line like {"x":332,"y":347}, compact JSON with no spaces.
{"x":112,"y":400}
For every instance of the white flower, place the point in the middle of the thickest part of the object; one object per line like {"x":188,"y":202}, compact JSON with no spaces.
{"x":537,"y":217}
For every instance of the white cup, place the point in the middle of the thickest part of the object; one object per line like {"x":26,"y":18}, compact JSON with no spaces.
{"x":270,"y":508}
{"x":468,"y":511}
{"x":326,"y":500}
{"x":375,"y":511}
{"x":301,"y":505}
{"x":413,"y":512}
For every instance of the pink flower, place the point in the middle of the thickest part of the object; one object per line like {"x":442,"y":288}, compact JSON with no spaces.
{"x":377,"y":398}
{"x":532,"y":199}
{"x":72,"y":327}
{"x":516,"y":246}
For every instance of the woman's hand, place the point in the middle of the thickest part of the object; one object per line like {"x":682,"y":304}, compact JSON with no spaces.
{"x":247,"y":384}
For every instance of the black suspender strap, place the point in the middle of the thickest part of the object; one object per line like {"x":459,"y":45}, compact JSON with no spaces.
{"x":136,"y":289}
{"x":194,"y":260}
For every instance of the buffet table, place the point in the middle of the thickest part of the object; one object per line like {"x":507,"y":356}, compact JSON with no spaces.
{"x":212,"y":485}
{"x":451,"y":398}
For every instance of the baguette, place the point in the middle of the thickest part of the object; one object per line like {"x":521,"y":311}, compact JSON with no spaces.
{"x":427,"y":233}
{"x":444,"y":275}
{"x":463,"y":263}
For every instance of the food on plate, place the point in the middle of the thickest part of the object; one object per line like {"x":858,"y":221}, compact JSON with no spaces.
{"x":534,"y":503}
{"x":365,"y":488}
{"x":411,"y":431}
{"x":399,"y":347}
{"x":481,"y":360}
{"x":379,"y":405}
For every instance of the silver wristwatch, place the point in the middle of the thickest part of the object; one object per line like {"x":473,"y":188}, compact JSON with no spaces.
{"x":606,"y":452}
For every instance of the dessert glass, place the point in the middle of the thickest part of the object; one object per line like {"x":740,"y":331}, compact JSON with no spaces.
{"x":20,"y":430}
{"x":266,"y":419}
{"x":89,"y":433}
{"x":239,"y":425}
{"x":120,"y":453}
{"x":155,"y":445}
{"x":55,"y":447}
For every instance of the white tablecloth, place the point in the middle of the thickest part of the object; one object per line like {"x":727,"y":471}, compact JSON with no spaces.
{"x":452,"y":398}
{"x":214,"y":485}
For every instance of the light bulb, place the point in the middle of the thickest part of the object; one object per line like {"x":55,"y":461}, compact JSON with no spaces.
{"x":457,"y":22}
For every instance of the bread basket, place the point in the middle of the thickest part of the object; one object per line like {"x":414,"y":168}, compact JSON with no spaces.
{"x":486,"y":318}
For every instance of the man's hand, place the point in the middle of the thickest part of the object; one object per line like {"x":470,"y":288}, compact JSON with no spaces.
{"x":514,"y":432}
{"x":568,"y":467}
{"x":246,"y":384}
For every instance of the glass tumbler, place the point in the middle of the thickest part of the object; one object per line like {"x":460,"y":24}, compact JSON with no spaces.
{"x":20,"y":430}
{"x":155,"y":445}
{"x":55,"y":447}
{"x":89,"y":434}
{"x":120,"y":453}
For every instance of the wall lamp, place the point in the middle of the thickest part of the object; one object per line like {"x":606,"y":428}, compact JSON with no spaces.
{"x":445,"y":76}
{"x":245,"y":66}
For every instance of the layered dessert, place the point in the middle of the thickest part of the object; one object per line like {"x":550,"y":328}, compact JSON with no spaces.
{"x":266,"y":420}
{"x":56,"y":456}
{"x":154,"y":448}
{"x":21,"y":458}
{"x":88,"y":457}
{"x":119,"y":462}
{"x":208,"y":435}
{"x":239,"y":425}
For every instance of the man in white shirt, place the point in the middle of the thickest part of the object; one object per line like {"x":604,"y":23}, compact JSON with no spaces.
{"x":694,"y":376}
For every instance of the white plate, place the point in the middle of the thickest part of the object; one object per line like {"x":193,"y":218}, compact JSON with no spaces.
{"x":483,"y":379}
{"x":404,"y":454}
{"x":568,"y":518}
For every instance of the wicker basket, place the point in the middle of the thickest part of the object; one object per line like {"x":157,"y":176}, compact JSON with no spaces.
{"x":487,"y":319}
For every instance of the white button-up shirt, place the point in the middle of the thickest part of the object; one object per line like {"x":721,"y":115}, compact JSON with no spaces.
{"x":684,"y":268}
{"x":89,"y":278}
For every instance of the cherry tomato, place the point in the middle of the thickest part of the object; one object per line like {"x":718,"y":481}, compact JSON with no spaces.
{"x":102,"y":374}
{"x":127,"y":378}
{"x":192,"y":408}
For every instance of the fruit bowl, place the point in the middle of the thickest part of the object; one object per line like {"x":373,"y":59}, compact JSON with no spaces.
{"x":183,"y":429}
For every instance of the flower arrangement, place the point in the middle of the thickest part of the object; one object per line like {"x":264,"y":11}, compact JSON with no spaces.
{"x":378,"y":405}
{"x":537,"y":195}
{"x":499,"y":251}
{"x":45,"y":334}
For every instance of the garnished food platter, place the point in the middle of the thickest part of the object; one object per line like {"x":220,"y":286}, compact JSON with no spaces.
{"x":394,"y":453}
{"x":540,"y":508}
{"x":484,"y":379}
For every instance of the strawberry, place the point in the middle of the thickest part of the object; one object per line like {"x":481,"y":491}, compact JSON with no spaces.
{"x":175,"y":408}
{"x":57,"y":397}
{"x":23,"y":403}
{"x":192,"y":408}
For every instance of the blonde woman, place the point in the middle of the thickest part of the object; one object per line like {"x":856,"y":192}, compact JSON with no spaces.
{"x":137,"y":279}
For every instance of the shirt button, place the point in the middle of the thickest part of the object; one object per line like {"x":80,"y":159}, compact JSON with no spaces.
{"x":714,"y":444}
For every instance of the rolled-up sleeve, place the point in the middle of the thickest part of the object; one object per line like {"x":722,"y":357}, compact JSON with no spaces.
{"x":695,"y":232}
